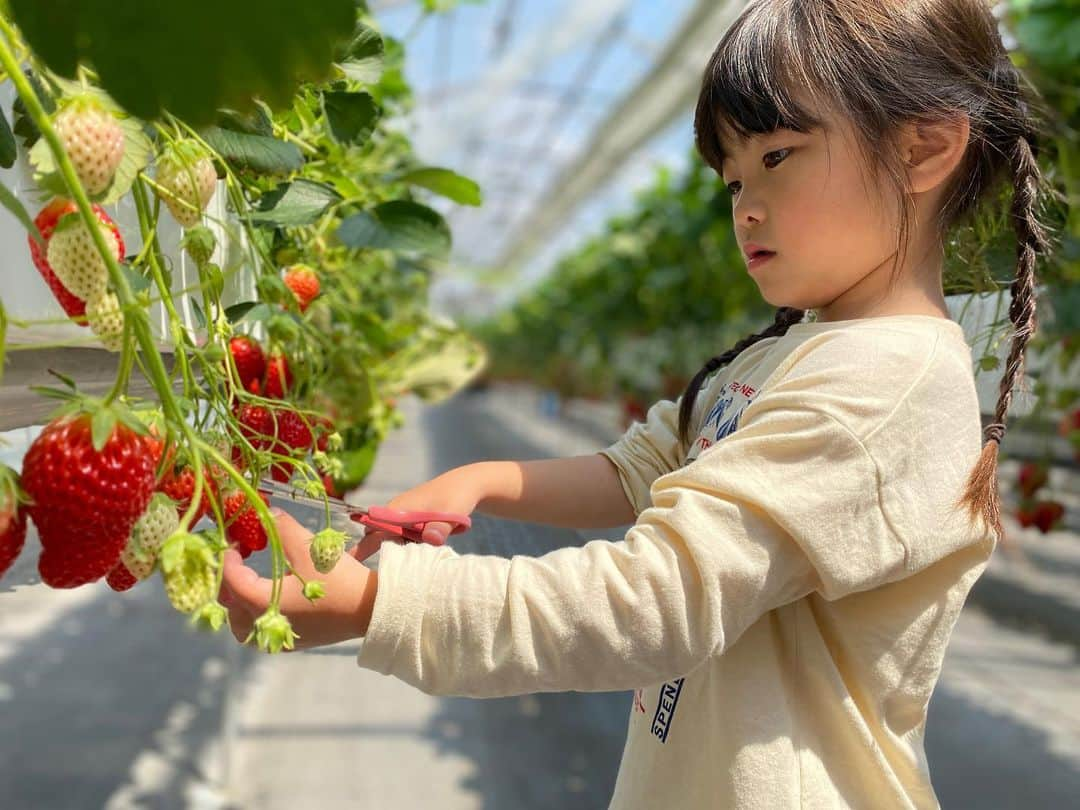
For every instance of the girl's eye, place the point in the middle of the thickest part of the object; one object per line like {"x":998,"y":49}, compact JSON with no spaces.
{"x":770,"y":159}
{"x":783,"y":153}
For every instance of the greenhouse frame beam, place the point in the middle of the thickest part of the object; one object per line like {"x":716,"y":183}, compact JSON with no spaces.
{"x":667,"y":92}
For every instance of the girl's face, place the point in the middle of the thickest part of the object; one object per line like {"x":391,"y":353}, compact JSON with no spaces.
{"x":807,"y":198}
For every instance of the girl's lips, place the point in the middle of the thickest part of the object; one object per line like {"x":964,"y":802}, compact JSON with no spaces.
{"x":758,"y":259}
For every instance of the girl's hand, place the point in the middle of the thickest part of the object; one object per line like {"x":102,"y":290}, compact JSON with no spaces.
{"x":342,"y":614}
{"x":457,"y":490}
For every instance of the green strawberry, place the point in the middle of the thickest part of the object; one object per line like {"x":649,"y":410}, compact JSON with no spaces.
{"x":186,"y":181}
{"x":93,"y":139}
{"x":189,"y":569}
{"x":150,"y":532}
{"x":326,"y":549}
{"x":106,"y":319}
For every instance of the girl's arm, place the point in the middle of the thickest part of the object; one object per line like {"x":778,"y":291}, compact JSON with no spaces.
{"x":580,"y":491}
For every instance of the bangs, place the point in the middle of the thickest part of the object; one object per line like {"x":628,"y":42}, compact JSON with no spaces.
{"x":750,"y":82}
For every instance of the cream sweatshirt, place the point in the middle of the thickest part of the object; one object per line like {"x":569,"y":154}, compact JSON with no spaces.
{"x":782,"y":604}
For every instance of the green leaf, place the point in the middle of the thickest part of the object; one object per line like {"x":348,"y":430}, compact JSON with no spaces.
{"x":200,"y":317}
{"x":102,"y":425}
{"x":446,"y":183}
{"x":253,"y":122}
{"x":138,"y":152}
{"x":398,"y":225}
{"x":12,"y":204}
{"x":191,"y":58}
{"x":25,"y":127}
{"x":139,"y":283}
{"x":8,"y":150}
{"x":64,"y":378}
{"x":351,"y":117}
{"x":258,"y":313}
{"x":258,"y":153}
{"x":989,"y":362}
{"x":236,"y":312}
{"x":364,"y":60}
{"x":300,"y":202}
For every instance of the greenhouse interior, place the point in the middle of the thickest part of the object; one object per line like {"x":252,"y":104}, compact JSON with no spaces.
{"x":636,"y":404}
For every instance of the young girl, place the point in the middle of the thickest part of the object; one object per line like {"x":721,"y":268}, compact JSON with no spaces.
{"x":810,"y":515}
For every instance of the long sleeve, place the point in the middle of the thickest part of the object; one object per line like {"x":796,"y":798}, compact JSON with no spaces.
{"x":646,"y":451}
{"x":786,"y":505}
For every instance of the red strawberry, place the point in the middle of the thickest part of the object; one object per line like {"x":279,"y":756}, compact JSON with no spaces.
{"x":242,"y":524}
{"x":46,"y":220}
{"x":93,"y":139}
{"x":85,"y":500}
{"x":1069,"y":423}
{"x":1048,"y":515}
{"x":180,"y":486}
{"x":304,"y":284}
{"x":256,"y":425}
{"x":120,"y":579}
{"x":1025,"y":514}
{"x":12,"y":520}
{"x":250,"y":360}
{"x":279,"y":378}
{"x":293,"y":430}
{"x":323,"y":428}
{"x":331,"y":488}
{"x":1032,"y":477}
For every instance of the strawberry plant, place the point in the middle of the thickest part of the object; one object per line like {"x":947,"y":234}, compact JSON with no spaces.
{"x":296,"y":189}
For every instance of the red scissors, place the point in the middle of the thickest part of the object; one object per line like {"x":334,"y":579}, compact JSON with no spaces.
{"x":408,"y":526}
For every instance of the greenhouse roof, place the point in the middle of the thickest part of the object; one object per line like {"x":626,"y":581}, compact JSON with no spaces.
{"x":558,"y":110}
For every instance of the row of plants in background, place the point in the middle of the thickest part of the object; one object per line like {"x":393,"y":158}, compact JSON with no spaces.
{"x":634,"y":312}
{"x":291,"y":121}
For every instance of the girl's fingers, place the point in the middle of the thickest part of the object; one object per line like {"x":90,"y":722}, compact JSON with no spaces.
{"x":295,"y":542}
{"x":248,"y":591}
{"x":436,"y":533}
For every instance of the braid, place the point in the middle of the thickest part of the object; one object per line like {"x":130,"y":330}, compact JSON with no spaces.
{"x":981,"y":495}
{"x":785,"y":317}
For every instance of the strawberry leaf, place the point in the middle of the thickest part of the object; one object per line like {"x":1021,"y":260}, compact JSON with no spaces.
{"x":351,"y":116}
{"x":364,"y":59}
{"x":258,"y":153}
{"x":65,"y":379}
{"x":398,"y":225}
{"x":445,"y":183}
{"x":102,"y":425}
{"x":190,"y":58}
{"x":126,"y":417}
{"x":300,"y":202}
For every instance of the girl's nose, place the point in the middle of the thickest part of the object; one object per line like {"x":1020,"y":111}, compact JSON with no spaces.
{"x":749,"y":208}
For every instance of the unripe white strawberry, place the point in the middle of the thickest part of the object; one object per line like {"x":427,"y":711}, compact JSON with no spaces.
{"x":106,"y":320}
{"x":93,"y":140}
{"x":148,"y":534}
{"x":74,"y":257}
{"x":189,"y":571}
{"x":187,"y":181}
{"x":326,"y":549}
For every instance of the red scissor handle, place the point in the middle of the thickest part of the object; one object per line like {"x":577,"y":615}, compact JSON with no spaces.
{"x":410,"y":525}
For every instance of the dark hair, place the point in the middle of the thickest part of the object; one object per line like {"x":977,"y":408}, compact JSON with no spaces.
{"x":881,"y":65}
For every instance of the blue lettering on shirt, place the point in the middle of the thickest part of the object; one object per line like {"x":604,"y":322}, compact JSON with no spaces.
{"x":665,"y":709}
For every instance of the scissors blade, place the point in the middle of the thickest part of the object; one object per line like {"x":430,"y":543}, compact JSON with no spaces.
{"x":284,"y":491}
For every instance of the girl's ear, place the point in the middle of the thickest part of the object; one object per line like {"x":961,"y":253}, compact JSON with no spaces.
{"x":932,"y":151}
